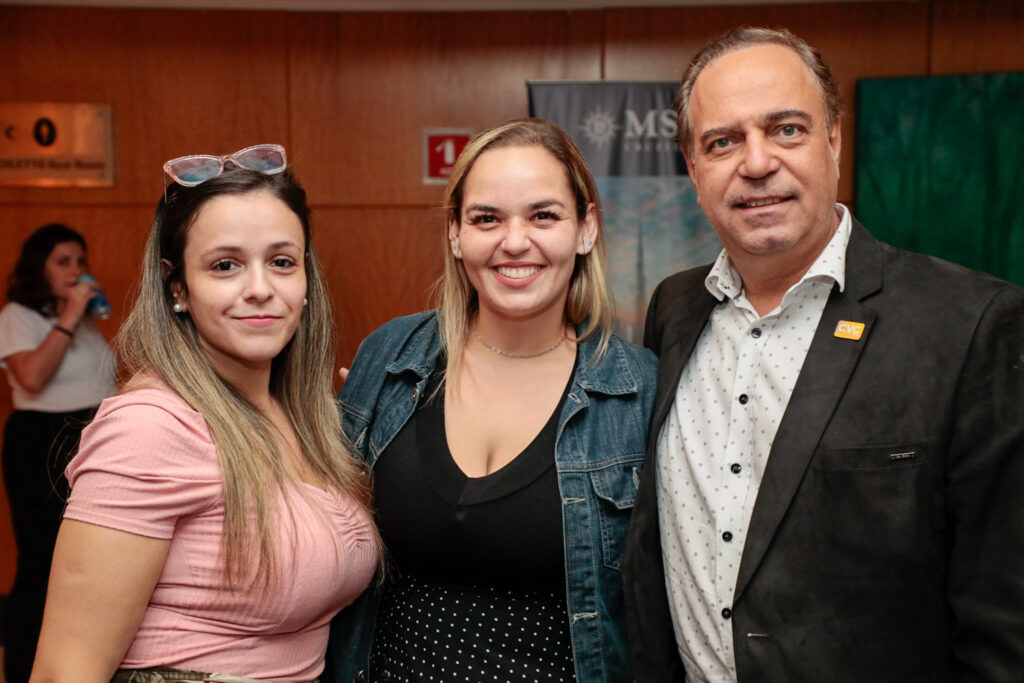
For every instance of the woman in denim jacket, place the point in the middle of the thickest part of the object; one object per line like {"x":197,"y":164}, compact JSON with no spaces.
{"x":506,"y":430}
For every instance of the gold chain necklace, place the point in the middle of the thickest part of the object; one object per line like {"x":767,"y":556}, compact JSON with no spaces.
{"x":509,"y":354}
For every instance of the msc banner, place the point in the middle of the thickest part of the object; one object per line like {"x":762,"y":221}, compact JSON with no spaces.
{"x":653,"y":225}
{"x":622,"y":128}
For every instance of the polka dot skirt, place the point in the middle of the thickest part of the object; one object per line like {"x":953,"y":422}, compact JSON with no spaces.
{"x":428,"y":631}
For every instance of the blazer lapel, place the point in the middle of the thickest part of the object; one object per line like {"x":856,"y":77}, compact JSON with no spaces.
{"x":826,"y":371}
{"x":681,"y":332}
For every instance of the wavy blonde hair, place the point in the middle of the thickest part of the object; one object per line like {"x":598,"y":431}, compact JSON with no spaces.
{"x":154,"y":339}
{"x":589,"y":299}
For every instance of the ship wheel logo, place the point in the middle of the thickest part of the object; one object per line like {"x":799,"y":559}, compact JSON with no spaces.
{"x":599,"y":127}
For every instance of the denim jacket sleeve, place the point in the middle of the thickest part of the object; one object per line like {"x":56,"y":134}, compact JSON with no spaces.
{"x":599,"y":455}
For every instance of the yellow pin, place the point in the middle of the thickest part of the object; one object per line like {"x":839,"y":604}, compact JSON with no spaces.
{"x":846,"y":329}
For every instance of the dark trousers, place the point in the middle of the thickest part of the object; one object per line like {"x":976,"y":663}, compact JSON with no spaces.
{"x":36,"y":448}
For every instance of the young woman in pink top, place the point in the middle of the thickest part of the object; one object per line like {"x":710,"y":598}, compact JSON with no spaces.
{"x":216,"y":521}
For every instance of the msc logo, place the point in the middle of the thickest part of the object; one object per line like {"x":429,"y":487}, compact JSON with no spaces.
{"x":599,"y":127}
{"x":654,"y":123}
{"x":849,"y":330}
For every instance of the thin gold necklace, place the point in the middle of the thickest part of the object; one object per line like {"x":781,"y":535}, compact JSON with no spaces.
{"x":509,"y":354}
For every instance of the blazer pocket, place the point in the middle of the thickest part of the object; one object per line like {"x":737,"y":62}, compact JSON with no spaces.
{"x":615,"y":487}
{"x":871,"y":457}
{"x":878,"y":508}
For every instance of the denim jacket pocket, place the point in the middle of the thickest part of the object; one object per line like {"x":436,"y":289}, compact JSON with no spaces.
{"x":615,"y":486}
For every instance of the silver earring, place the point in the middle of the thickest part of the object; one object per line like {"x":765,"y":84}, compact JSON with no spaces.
{"x":305,"y":301}
{"x":456,"y":249}
{"x":177,"y":308}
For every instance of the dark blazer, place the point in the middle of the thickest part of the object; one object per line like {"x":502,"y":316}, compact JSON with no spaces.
{"x":887,"y":538}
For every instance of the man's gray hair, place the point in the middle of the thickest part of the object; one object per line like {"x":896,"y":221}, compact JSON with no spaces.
{"x":749,"y":36}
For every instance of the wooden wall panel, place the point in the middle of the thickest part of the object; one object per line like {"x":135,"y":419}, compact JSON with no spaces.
{"x":991,"y":41}
{"x":380,"y":263}
{"x":180,"y":83}
{"x":363,"y":86}
{"x":862,"y":40}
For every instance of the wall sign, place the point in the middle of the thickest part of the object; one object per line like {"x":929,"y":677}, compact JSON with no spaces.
{"x":441,"y":147}
{"x":56,"y":144}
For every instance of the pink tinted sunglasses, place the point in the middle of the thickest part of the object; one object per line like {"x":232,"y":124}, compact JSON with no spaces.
{"x":198,"y":168}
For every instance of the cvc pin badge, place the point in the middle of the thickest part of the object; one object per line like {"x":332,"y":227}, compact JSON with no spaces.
{"x":846,"y":329}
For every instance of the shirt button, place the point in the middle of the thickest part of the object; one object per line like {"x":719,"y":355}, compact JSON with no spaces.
{"x":743,"y":399}
{"x":726,"y":613}
{"x":756,"y":333}
{"x":727,"y":536}
{"x":735,"y":467}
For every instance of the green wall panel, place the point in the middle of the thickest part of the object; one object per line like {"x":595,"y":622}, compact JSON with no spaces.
{"x":940,"y":167}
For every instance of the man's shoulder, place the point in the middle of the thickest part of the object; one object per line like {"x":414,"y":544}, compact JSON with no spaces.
{"x":931,"y":281}
{"x":683,"y":285}
{"x":692,"y":277}
{"x":683,"y":299}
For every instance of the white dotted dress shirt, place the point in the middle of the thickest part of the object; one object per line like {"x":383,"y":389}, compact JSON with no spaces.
{"x":713,"y":447}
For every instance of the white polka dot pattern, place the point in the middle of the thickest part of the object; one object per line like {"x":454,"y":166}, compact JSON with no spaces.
{"x":713,"y":447}
{"x":428,"y":631}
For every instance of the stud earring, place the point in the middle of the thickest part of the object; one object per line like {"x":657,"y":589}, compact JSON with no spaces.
{"x":305,"y":301}
{"x":177,"y":308}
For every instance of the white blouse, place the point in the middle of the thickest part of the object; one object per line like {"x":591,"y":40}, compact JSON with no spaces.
{"x":85,"y":376}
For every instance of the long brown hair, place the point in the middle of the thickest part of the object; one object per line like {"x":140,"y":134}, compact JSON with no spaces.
{"x":156,"y":340}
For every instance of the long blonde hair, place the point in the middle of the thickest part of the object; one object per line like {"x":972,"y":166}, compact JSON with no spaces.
{"x":154,"y":339}
{"x":589,"y":300}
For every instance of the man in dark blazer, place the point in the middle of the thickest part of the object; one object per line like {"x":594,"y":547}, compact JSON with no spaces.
{"x":834,"y":488}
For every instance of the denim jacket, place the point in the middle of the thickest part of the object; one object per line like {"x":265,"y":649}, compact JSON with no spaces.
{"x":599,"y":450}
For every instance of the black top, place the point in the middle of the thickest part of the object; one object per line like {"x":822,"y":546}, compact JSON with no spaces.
{"x":478,"y":571}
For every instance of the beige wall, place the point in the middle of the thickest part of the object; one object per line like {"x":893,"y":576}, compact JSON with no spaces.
{"x":348,"y":95}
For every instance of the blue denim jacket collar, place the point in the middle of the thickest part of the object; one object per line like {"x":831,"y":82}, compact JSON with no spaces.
{"x":614,"y":377}
{"x":420,"y":352}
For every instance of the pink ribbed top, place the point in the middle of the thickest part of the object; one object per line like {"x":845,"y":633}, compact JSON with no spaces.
{"x":148,"y":466}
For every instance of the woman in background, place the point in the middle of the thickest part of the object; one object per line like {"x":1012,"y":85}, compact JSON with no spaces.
{"x":59,"y":368}
{"x":216,"y":521}
{"x":505,"y":430}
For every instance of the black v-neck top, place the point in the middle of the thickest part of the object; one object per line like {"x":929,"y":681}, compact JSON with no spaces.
{"x":477,"y":587}
{"x":505,"y":527}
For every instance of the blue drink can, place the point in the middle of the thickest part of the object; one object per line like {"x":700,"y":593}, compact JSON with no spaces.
{"x":98,"y":307}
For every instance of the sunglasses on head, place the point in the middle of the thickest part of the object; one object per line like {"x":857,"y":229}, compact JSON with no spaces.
{"x":198,"y":168}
